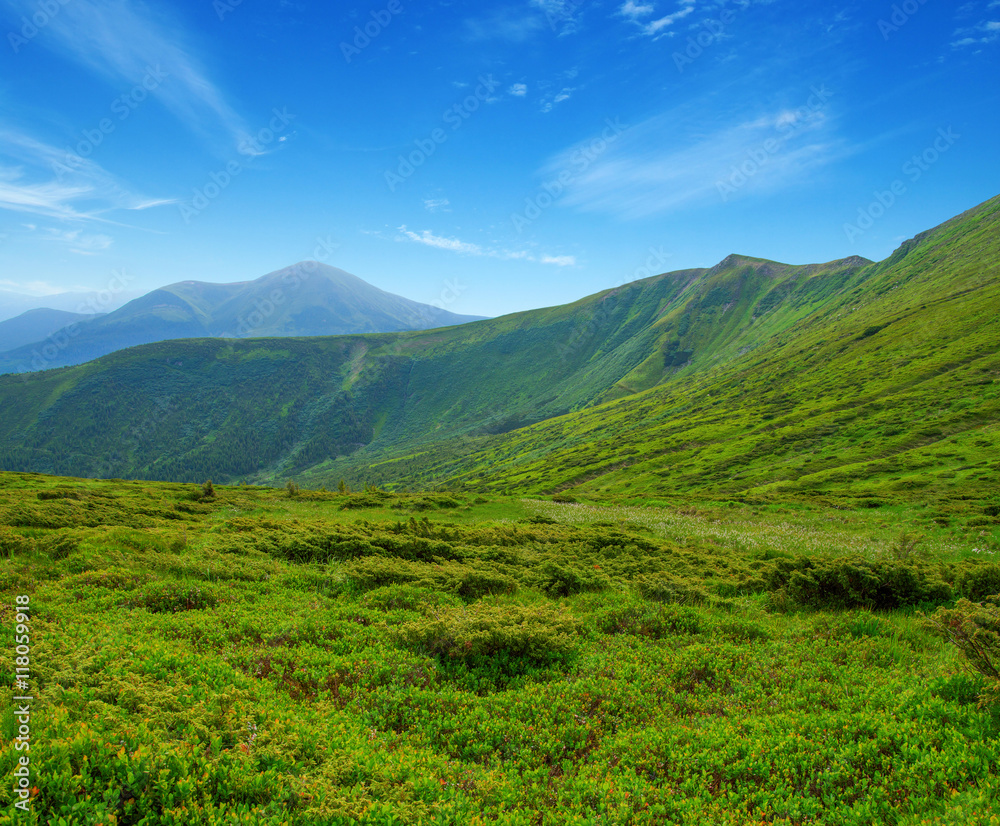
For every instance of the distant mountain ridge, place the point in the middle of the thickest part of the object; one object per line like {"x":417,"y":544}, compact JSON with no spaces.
{"x":13,"y":304}
{"x":305,"y":299}
{"x":34,"y":325}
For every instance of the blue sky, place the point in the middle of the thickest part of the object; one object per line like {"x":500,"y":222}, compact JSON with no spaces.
{"x":487,"y":157}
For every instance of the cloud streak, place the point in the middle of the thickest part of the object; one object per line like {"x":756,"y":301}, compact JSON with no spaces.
{"x":982,"y":34}
{"x":429,"y":239}
{"x":40,"y":182}
{"x":637,"y":12}
{"x":653,"y":169}
{"x":122,"y":41}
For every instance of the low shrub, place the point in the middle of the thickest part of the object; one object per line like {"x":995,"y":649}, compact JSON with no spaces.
{"x":740,"y":630}
{"x":974,"y":628}
{"x":669,"y":588}
{"x":53,"y":515}
{"x":483,"y":637}
{"x":474,"y":584}
{"x":406,"y":598}
{"x":562,"y":580}
{"x":44,"y":495}
{"x":12,"y":543}
{"x":372,"y":572}
{"x":59,"y":546}
{"x":854,"y":582}
{"x":164,"y":597}
{"x":470,"y":584}
{"x":977,"y":583}
{"x":114,"y":579}
{"x":643,"y":619}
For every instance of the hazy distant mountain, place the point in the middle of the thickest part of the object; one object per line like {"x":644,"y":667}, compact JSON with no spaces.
{"x":306,"y":299}
{"x":13,"y":304}
{"x":35,"y":325}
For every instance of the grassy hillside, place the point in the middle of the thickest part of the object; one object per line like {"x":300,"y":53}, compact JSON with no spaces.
{"x":266,"y":409}
{"x":246,"y":656}
{"x":883,"y":381}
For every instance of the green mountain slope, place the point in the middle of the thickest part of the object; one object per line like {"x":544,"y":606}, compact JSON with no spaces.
{"x":890,"y":384}
{"x":749,"y":376}
{"x":307,"y":299}
{"x":266,"y":409}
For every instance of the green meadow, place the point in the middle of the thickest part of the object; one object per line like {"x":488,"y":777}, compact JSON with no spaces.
{"x":243,"y":655}
{"x":720,"y":547}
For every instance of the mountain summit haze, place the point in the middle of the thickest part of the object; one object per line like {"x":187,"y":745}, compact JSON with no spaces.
{"x":305,"y":299}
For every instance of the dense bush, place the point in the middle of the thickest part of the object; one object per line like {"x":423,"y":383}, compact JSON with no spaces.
{"x":12,"y":543}
{"x":44,"y":495}
{"x":496,"y":641}
{"x":558,"y":579}
{"x":977,"y":583}
{"x":406,"y":598}
{"x":668,"y":588}
{"x":854,"y":582}
{"x":164,"y":597}
{"x":466,"y":582}
{"x":59,"y":545}
{"x":644,"y":619}
{"x":975,"y":629}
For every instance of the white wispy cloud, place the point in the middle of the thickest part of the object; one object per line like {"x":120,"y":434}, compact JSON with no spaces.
{"x":39,"y":179}
{"x":78,"y":241}
{"x":652,"y":167}
{"x":428,"y":238}
{"x":129,"y":43}
{"x":518,"y":90}
{"x":437,"y":204}
{"x":559,"y":260}
{"x":33,"y":288}
{"x":549,"y":103}
{"x":633,"y":10}
{"x":982,"y":34}
{"x":637,"y":12}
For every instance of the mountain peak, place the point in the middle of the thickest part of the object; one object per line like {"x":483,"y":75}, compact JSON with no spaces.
{"x":308,"y":298}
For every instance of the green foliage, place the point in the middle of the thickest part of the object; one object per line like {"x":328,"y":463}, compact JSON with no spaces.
{"x":12,"y":543}
{"x":463,"y":581}
{"x":268,"y":659}
{"x":978,"y":583}
{"x":643,"y":619}
{"x":495,"y":638}
{"x":59,"y":545}
{"x":560,"y":579}
{"x":664,"y":587}
{"x":858,"y":583}
{"x":974,"y":628}
{"x":164,"y":597}
{"x":406,"y":598}
{"x":906,"y":547}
